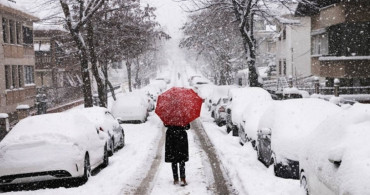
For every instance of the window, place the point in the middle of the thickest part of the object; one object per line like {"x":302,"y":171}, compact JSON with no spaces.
{"x":28,"y":75}
{"x":7,"y":77}
{"x":20,"y":73}
{"x":280,"y":67}
{"x":27,"y":35}
{"x":320,"y":44}
{"x":284,"y":68}
{"x":5,"y":30}
{"x":14,"y":76}
{"x":18,"y":31}
{"x":11,"y":31}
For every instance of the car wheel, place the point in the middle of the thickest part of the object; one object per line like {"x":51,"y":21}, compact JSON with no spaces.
{"x":87,"y":169}
{"x":259,"y":154}
{"x":235,"y":130}
{"x":228,"y":129}
{"x":105,"y":157}
{"x":304,"y":184}
{"x":111,"y":146}
{"x":122,"y":141}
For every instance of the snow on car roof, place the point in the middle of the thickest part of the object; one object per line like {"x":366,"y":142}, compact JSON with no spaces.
{"x":241,"y":97}
{"x":69,"y":126}
{"x":97,"y":116}
{"x":292,"y":120}
{"x":220,"y":91}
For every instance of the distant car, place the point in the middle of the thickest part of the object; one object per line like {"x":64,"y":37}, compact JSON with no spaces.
{"x":152,"y":91}
{"x":198,"y":82}
{"x":205,"y":91}
{"x":219,"y":100}
{"x":105,"y":121}
{"x":167,"y":80}
{"x":130,"y":108}
{"x":192,"y":78}
{"x":292,"y":93}
{"x":161,"y":84}
{"x":336,"y":156}
{"x":51,"y":147}
{"x":283,"y":128}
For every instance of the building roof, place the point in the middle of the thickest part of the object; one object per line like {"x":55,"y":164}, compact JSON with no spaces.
{"x":49,"y":12}
{"x":11,"y":6}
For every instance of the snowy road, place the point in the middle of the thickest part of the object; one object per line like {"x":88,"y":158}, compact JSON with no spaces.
{"x":217,"y":164}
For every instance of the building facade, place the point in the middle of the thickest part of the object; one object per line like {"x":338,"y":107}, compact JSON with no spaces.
{"x":57,"y":69}
{"x":17,"y":59}
{"x":340,"y":40}
{"x":293,"y":46}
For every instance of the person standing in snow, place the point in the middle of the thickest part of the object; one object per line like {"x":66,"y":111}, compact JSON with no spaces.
{"x":177,"y":151}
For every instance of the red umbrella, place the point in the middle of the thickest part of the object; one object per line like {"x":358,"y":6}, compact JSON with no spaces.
{"x":178,"y":106}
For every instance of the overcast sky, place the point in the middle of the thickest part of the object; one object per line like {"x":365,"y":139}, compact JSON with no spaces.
{"x":169,"y":14}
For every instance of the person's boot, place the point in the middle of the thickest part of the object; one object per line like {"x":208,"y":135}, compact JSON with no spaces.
{"x":183,"y":182}
{"x":176,"y":181}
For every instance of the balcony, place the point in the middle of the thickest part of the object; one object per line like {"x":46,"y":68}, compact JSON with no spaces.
{"x":341,"y":67}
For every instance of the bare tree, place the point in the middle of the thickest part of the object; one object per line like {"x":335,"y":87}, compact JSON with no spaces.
{"x":76,"y":18}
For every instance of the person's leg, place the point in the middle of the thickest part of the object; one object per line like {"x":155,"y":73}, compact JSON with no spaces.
{"x":175,"y":173}
{"x":182,"y":169}
{"x":182,"y":174}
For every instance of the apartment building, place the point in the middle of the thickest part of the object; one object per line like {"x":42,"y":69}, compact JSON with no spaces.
{"x":17,"y":58}
{"x":340,"y":40}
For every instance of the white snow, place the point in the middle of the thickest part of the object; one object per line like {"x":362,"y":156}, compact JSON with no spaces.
{"x":4,"y":115}
{"x":23,"y":107}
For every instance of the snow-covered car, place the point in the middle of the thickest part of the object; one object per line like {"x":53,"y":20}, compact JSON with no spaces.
{"x":106,"y":122}
{"x":336,"y":156}
{"x":283,"y":128}
{"x":51,"y":147}
{"x":192,"y":77}
{"x":239,"y":99}
{"x":251,"y":117}
{"x":162,"y":85}
{"x":218,"y":100}
{"x":205,"y":91}
{"x":199,"y":81}
{"x":167,"y":80}
{"x":292,"y":93}
{"x":130,"y":108}
{"x":152,"y":91}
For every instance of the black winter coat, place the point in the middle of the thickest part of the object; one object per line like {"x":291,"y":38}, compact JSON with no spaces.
{"x":177,"y":148}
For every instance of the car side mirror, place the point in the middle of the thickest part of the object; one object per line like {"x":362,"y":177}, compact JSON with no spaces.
{"x":336,"y":163}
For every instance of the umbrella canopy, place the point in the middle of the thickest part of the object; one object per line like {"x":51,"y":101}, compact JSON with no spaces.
{"x":178,"y":106}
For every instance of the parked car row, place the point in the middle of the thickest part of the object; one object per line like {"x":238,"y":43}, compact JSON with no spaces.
{"x":316,"y":141}
{"x":59,"y":146}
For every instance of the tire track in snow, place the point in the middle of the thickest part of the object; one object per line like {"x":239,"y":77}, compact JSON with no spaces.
{"x":221,"y":185}
{"x":146,"y":184}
